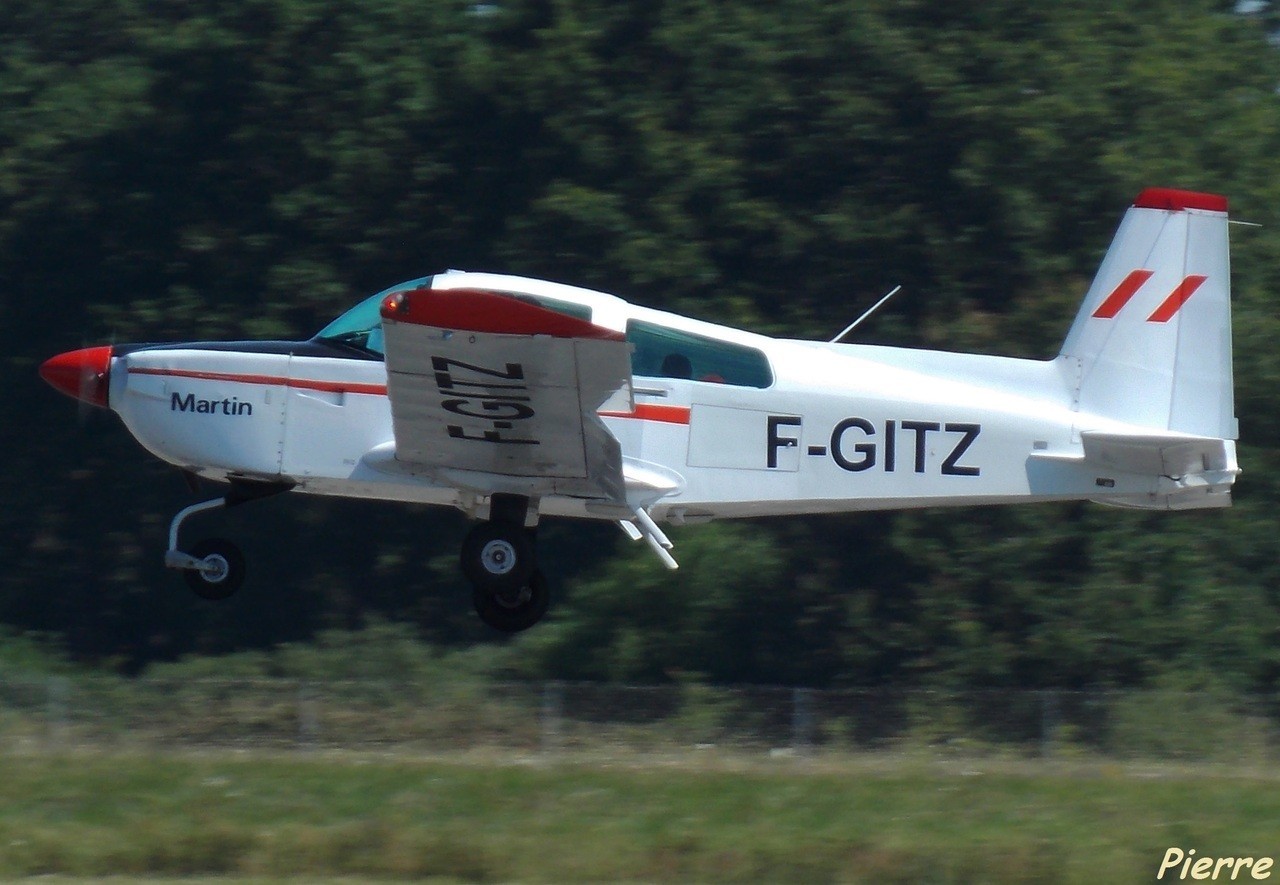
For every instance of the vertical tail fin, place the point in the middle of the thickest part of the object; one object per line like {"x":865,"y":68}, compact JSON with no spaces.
{"x":1152,"y":342}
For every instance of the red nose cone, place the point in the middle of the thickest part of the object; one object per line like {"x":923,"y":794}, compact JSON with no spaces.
{"x":80,"y":373}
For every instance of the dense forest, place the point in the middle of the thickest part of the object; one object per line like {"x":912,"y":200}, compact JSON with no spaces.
{"x":174,"y":171}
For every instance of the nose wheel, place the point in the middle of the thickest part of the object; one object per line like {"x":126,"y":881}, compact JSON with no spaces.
{"x":220,"y":571}
{"x":500,"y":560}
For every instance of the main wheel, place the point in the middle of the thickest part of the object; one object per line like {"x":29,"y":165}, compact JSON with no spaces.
{"x":514,"y":610}
{"x":498,"y":557}
{"x":226,"y":572}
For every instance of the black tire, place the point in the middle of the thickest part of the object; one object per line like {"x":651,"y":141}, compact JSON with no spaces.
{"x":514,"y":610}
{"x":498,"y":557}
{"x":221,"y":584}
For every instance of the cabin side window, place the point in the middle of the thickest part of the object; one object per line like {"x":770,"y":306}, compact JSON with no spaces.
{"x":662,"y":352}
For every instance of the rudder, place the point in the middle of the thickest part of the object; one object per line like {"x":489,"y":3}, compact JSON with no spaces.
{"x":1151,"y":344}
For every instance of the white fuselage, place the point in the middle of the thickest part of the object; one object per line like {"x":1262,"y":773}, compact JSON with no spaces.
{"x":841,"y":427}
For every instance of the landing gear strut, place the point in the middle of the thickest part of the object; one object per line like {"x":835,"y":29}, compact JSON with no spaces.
{"x":215,"y":568}
{"x":499,"y":558}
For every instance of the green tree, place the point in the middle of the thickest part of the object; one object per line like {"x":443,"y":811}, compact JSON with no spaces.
{"x":170,"y":172}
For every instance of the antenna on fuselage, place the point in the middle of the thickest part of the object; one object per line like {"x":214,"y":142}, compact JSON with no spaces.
{"x":849,"y":328}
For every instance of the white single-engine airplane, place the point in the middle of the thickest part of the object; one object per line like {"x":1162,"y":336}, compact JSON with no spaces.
{"x":512,"y":399}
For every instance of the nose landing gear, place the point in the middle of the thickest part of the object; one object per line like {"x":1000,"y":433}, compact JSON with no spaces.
{"x":215,"y":568}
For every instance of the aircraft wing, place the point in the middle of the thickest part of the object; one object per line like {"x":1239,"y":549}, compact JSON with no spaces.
{"x":496,"y":394}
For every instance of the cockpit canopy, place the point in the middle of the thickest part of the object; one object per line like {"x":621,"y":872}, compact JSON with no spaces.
{"x":658,"y":351}
{"x":361,"y":326}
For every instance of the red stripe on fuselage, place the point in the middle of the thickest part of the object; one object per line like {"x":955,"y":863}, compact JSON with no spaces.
{"x":650,"y":412}
{"x":271,"y":380}
{"x":643,"y":411}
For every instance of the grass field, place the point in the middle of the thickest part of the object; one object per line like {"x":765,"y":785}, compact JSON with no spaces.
{"x":691,"y":817}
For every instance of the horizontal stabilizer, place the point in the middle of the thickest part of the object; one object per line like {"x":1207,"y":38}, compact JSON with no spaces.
{"x":1156,"y":453}
{"x":1188,"y":472}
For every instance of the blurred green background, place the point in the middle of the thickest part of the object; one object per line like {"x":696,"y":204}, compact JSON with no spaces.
{"x":170,"y":172}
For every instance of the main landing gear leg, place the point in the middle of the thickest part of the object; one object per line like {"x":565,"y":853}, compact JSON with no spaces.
{"x":499,"y":558}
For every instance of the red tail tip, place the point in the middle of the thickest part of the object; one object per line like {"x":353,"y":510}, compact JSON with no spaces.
{"x":80,"y":373}
{"x":1175,"y":200}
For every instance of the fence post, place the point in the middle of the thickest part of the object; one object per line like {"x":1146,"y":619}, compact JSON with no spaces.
{"x":308,"y":716}
{"x":1048,"y":722}
{"x":801,"y":721}
{"x":550,"y":715}
{"x":56,"y":711}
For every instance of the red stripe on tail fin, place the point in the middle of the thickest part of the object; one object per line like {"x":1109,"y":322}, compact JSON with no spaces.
{"x":1179,"y":297}
{"x":1121,"y":294}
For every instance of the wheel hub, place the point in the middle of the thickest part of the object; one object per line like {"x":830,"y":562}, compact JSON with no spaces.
{"x":214,"y":568}
{"x":498,"y":557}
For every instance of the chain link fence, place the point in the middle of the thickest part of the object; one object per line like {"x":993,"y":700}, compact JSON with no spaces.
{"x":551,"y":717}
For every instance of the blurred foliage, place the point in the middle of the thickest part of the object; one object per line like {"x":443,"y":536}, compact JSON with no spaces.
{"x":176,"y":171}
{"x":32,"y":653}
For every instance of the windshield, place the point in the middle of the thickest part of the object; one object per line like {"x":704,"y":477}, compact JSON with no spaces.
{"x":361,"y":326}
